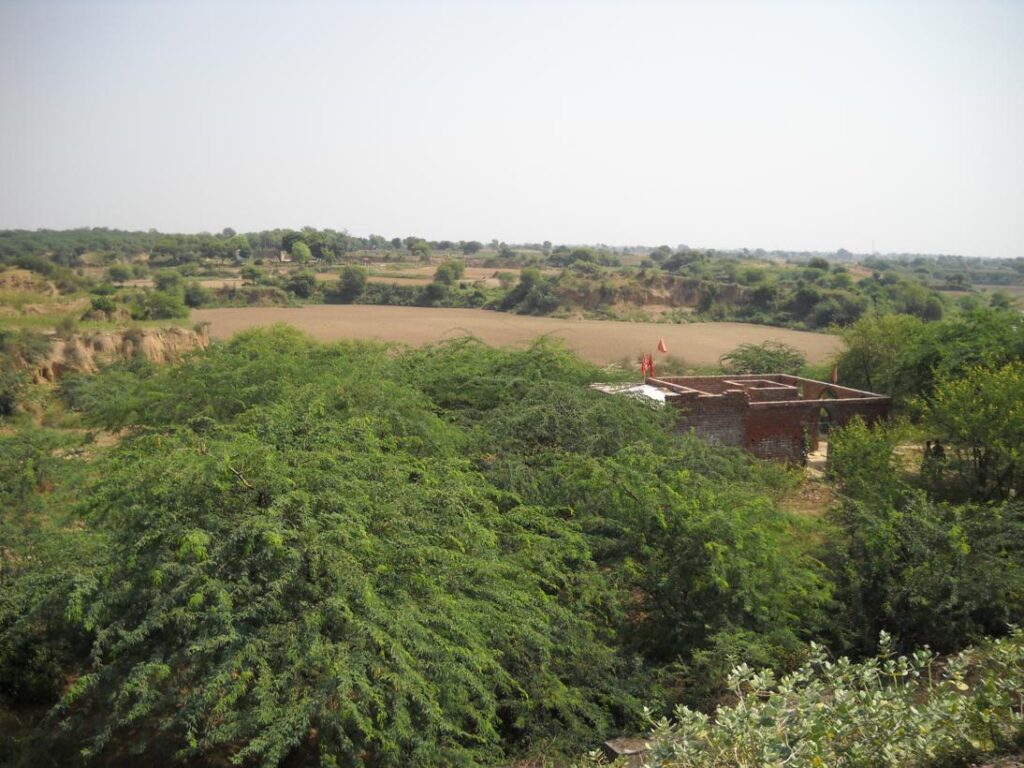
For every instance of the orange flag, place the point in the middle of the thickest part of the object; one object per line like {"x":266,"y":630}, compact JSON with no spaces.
{"x":647,"y":365}
{"x":661,"y":346}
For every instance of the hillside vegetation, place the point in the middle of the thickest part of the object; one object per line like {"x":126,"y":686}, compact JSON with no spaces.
{"x":110,"y":275}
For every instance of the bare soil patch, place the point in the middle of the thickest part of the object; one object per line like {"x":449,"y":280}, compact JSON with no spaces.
{"x":1012,"y":290}
{"x":812,"y":498}
{"x":23,"y":280}
{"x":600,"y":341}
{"x":399,"y":280}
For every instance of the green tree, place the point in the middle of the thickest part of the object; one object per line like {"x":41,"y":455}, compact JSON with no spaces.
{"x":926,"y":572}
{"x":195,"y":294}
{"x":169,"y":281}
{"x":302,"y":284}
{"x":301,"y":253}
{"x":979,"y":414}
{"x":158,"y":305}
{"x":103,"y":304}
{"x":350,"y":286}
{"x":18,"y":351}
{"x":420,"y":249}
{"x":251,"y":275}
{"x":903,"y":356}
{"x":449,"y":272}
{"x":881,"y":355}
{"x":766,"y":357}
{"x":119,"y":273}
{"x":239,"y":247}
{"x":304,"y":563}
{"x":1000,"y":300}
{"x":863,"y":462}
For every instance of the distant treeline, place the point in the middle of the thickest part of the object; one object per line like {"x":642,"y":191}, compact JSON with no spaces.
{"x":68,"y":246}
{"x":684,"y":284}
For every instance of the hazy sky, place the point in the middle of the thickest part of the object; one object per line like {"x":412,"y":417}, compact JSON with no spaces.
{"x":798,"y":125}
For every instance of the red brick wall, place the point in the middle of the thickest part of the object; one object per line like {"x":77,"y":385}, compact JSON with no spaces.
{"x":842,"y":411}
{"x":769,"y":430}
{"x":718,"y":418}
{"x":778,"y":430}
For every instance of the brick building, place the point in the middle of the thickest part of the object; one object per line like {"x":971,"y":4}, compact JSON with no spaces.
{"x":772,"y":415}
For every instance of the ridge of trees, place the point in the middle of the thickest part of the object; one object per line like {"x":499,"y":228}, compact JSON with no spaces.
{"x":792,"y":290}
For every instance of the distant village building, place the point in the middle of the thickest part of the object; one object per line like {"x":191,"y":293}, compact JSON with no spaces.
{"x":772,"y":415}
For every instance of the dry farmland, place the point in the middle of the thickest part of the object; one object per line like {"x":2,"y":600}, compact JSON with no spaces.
{"x":600,"y":341}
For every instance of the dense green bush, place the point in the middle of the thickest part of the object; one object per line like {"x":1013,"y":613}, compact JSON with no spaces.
{"x":350,"y":554}
{"x":296,"y":573}
{"x":766,"y":357}
{"x":903,"y":356}
{"x":44,"y":558}
{"x":159,"y":305}
{"x":979,"y":414}
{"x":195,"y":295}
{"x":303,"y":284}
{"x":928,"y":572}
{"x":350,"y":286}
{"x":448,"y":556}
{"x":18,"y":350}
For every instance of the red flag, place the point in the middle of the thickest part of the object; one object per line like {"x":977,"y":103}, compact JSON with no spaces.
{"x":646,"y":365}
{"x":661,"y":346}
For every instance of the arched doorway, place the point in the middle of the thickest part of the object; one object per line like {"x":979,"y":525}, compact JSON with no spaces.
{"x":824,"y":422}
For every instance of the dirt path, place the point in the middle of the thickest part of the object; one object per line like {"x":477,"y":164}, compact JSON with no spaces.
{"x":597,"y":340}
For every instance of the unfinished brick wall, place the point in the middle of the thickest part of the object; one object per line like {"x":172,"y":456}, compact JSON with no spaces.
{"x":719,"y":418}
{"x":781,"y":430}
{"x":774,"y":416}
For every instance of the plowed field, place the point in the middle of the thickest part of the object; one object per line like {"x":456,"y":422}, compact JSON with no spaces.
{"x":600,"y":341}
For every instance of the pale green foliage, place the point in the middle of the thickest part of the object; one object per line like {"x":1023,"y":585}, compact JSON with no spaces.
{"x":46,"y":561}
{"x":862,"y":460}
{"x":766,"y":357}
{"x":301,"y":252}
{"x":878,"y":354}
{"x":887,"y":712}
{"x":313,"y":579}
{"x":450,"y":271}
{"x":979,"y":414}
{"x":303,"y":563}
{"x":902,"y":356}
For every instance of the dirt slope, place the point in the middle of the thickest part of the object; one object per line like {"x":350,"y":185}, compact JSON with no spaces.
{"x":85,"y":352}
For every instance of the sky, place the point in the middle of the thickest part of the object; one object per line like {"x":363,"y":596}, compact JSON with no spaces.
{"x":891,"y":126}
